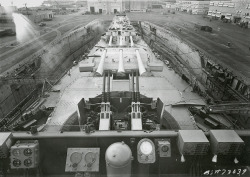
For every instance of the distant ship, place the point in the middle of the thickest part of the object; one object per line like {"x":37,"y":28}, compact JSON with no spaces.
{"x":123,"y":111}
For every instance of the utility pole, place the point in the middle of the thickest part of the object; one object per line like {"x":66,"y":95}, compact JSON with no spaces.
{"x":25,"y":5}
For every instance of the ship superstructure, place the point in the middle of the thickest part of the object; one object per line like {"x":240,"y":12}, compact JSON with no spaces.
{"x":123,"y":112}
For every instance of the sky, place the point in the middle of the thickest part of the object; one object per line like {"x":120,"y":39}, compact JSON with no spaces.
{"x":20,"y":3}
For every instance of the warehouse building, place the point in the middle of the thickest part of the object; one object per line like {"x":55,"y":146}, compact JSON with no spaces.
{"x":193,"y":7}
{"x":105,"y":6}
{"x":236,"y":11}
{"x":36,"y":16}
{"x":115,"y":6}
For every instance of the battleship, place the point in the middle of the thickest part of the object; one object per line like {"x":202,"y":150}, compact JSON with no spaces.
{"x":127,"y":109}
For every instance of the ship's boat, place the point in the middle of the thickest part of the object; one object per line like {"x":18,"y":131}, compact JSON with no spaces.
{"x":125,"y":112}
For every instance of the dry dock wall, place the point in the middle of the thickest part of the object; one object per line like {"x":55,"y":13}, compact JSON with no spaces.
{"x":187,"y":60}
{"x":53,"y":61}
{"x":194,"y":66}
{"x":5,"y":90}
{"x":13,"y":96}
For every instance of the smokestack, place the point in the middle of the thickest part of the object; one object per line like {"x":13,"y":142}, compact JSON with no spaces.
{"x":103,"y":88}
{"x":101,"y":64}
{"x":140,"y":64}
{"x":121,"y":67}
{"x":108,"y":88}
{"x":110,"y":41}
{"x":131,"y":41}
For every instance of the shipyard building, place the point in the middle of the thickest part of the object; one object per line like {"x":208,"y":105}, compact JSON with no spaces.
{"x":6,"y":20}
{"x":193,"y":7}
{"x":35,"y":15}
{"x":233,"y":11}
{"x":105,"y":7}
{"x":236,"y":11}
{"x":109,"y":7}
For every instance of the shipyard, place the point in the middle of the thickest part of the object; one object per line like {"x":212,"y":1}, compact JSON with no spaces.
{"x":124,"y":88}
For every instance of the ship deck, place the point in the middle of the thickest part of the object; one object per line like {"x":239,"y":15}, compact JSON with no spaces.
{"x":166,"y":85}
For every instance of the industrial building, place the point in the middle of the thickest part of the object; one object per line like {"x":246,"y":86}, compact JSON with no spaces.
{"x":105,"y":6}
{"x":114,"y":6}
{"x":193,"y":7}
{"x":36,"y":16}
{"x":7,"y":9}
{"x":139,"y":6}
{"x":231,"y":10}
{"x":235,"y":10}
{"x":81,"y":3}
{"x":170,"y":4}
{"x":6,"y":19}
{"x":108,"y":6}
{"x":6,"y":13}
{"x":58,"y":3}
{"x":125,"y":98}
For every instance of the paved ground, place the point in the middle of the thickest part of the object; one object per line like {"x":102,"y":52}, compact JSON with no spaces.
{"x":236,"y":57}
